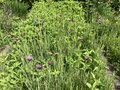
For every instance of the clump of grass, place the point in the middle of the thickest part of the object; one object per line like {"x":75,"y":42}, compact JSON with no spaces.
{"x":18,"y":8}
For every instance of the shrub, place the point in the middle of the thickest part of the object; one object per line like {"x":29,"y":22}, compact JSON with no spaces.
{"x":54,"y":32}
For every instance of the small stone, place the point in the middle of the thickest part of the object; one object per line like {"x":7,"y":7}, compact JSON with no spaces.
{"x":69,"y":31}
{"x":16,"y":38}
{"x":69,"y":19}
{"x":87,"y":58}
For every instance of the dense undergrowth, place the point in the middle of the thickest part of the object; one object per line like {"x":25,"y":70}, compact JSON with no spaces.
{"x":55,"y":49}
{"x":108,"y":36}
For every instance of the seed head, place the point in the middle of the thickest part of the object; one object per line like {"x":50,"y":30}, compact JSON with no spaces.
{"x":39,"y":66}
{"x":29,"y":58}
{"x":50,"y":62}
{"x":17,"y":38}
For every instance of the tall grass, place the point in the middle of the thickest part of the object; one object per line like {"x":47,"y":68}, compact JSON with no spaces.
{"x":18,"y":8}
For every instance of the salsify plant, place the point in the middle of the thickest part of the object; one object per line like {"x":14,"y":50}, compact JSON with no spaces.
{"x":53,"y":51}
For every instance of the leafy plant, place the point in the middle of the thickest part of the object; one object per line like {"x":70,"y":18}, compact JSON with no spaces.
{"x":54,"y":49}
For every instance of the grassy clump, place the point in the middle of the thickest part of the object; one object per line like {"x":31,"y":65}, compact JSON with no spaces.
{"x":18,"y":8}
{"x":53,"y":51}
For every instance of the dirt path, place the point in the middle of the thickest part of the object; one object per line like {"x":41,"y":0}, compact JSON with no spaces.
{"x":110,"y":72}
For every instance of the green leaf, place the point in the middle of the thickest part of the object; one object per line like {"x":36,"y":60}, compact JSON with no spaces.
{"x":16,"y":64}
{"x":89,"y":85}
{"x":93,"y":75}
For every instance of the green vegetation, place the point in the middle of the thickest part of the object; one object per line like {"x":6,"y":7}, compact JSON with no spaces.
{"x":58,"y":45}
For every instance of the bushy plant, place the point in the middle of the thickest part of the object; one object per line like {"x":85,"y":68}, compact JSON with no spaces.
{"x":52,"y":51}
